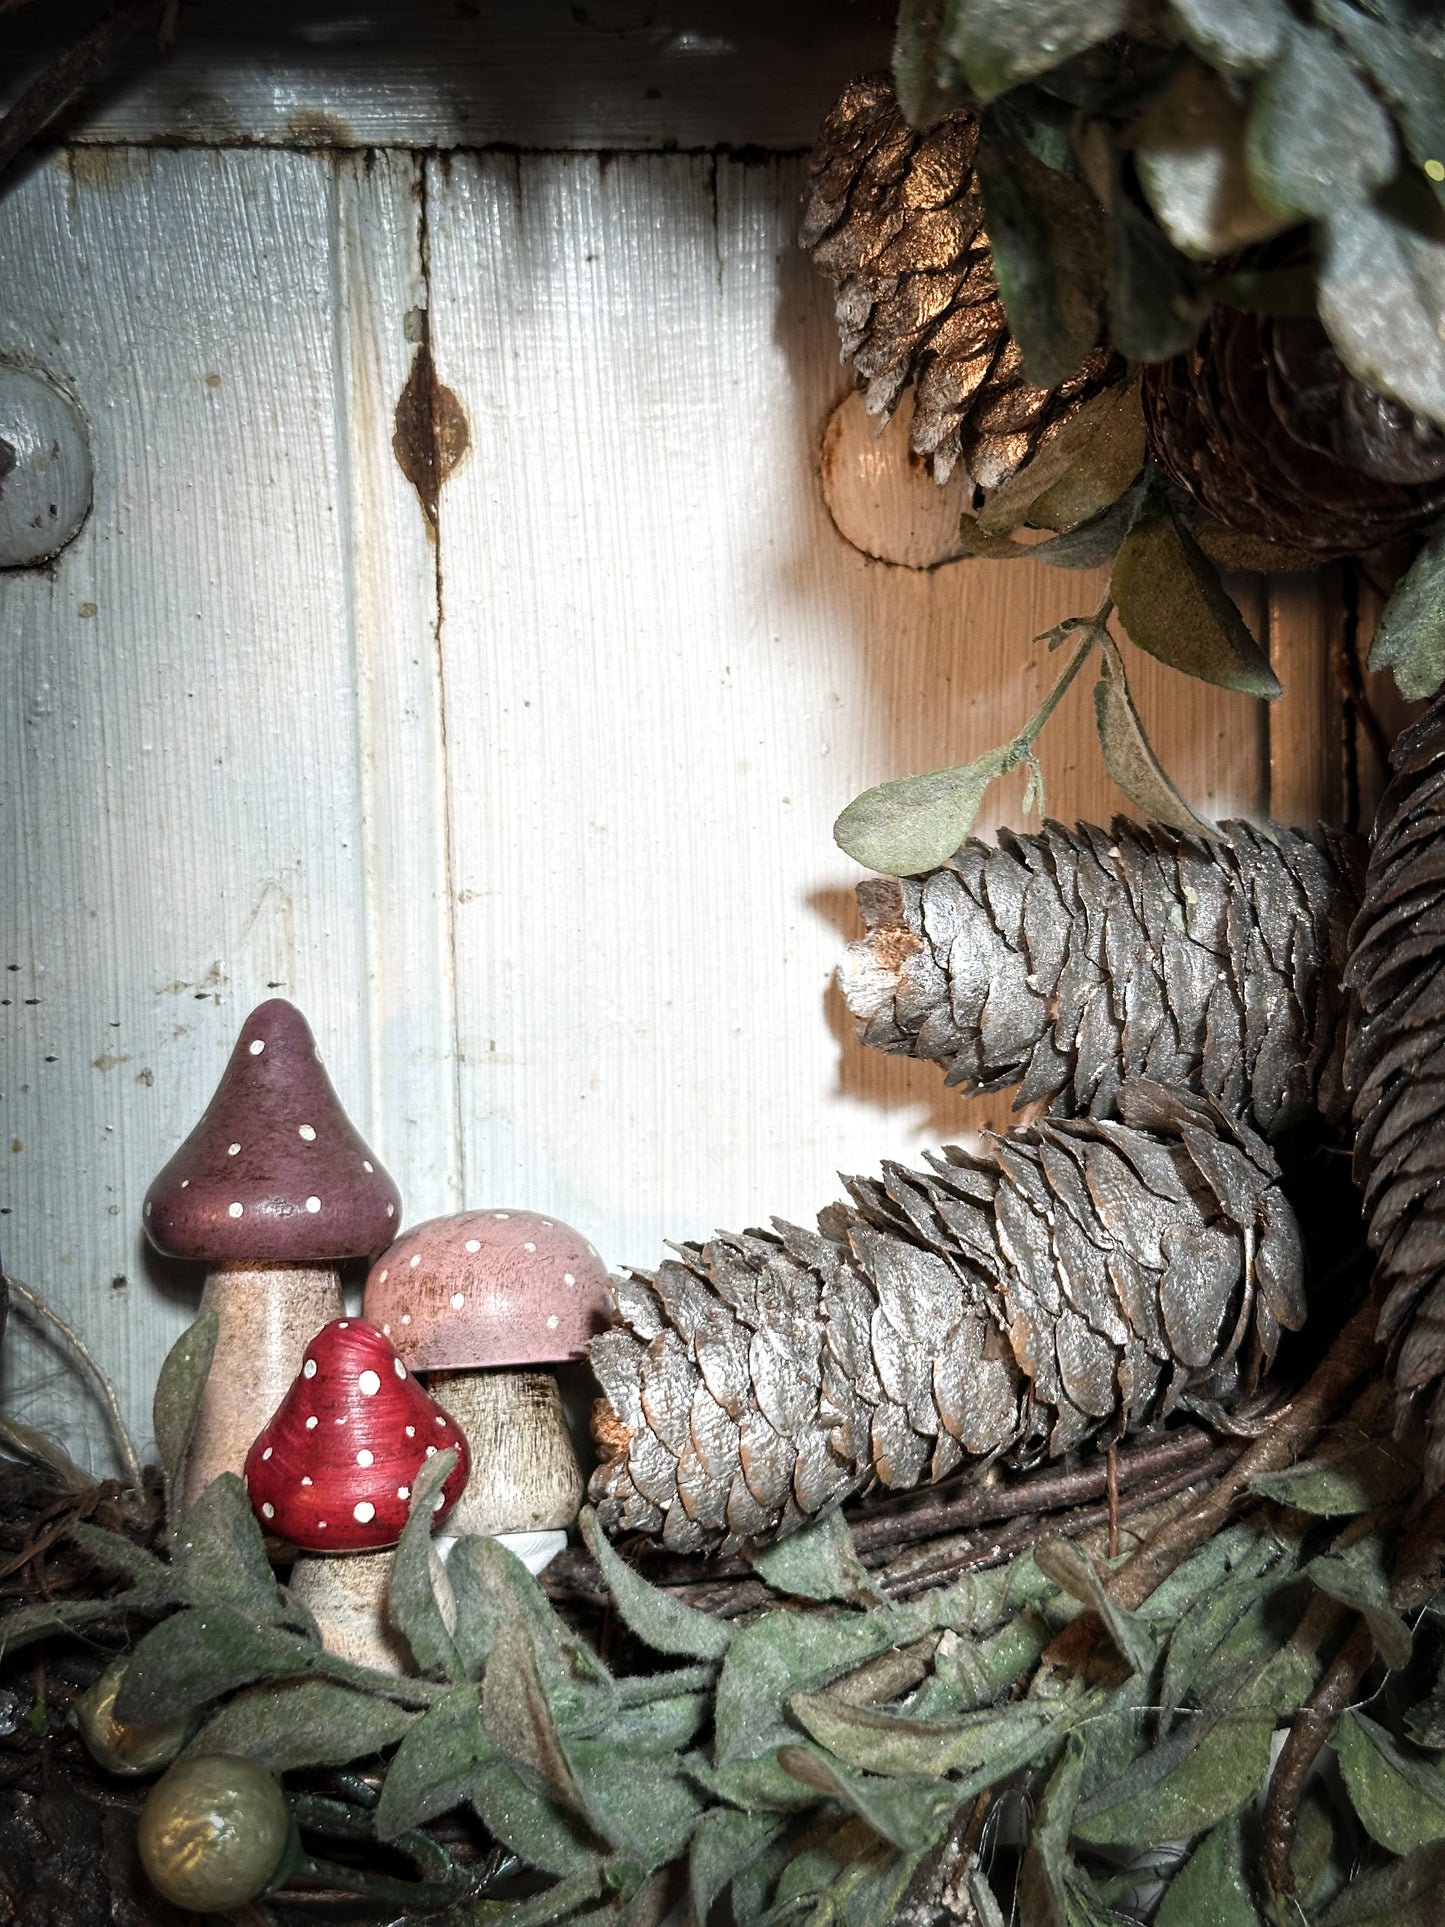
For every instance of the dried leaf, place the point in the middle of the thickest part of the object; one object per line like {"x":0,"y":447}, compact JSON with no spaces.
{"x":1172,"y":603}
{"x":519,"y":1722}
{"x":178,"y":1398}
{"x":917,"y":822}
{"x":1409,"y":1893}
{"x":660,"y":1621}
{"x":988,"y":1744}
{"x":1318,"y":139}
{"x":1189,"y":152}
{"x":725,"y":1842}
{"x":1357,"y":1578}
{"x":785,"y":1653}
{"x":1369,"y":1475}
{"x":997,"y":46}
{"x":201,"y":1654}
{"x":1400,"y":1799}
{"x":434,"y":1767}
{"x":1079,"y":471}
{"x":1381,"y":294}
{"x":1044,"y":1880}
{"x":1128,"y":754}
{"x":411,"y":1601}
{"x":219,"y":1552}
{"x":1050,"y":242}
{"x":1410,"y":638}
{"x":305,"y":1722}
{"x":1212,"y":1888}
{"x":908,"y":1812}
{"x":818,"y":1562}
{"x":1062,"y":1561}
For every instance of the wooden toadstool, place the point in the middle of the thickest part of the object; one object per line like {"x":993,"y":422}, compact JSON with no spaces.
{"x":473,"y":1300}
{"x":333,"y":1473}
{"x":272,"y":1189}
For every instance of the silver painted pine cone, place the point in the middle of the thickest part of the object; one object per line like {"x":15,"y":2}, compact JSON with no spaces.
{"x":1073,"y":1279}
{"x":1069,"y":960}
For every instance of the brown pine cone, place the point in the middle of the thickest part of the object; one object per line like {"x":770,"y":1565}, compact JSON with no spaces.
{"x":894,"y":217}
{"x":1069,"y":960}
{"x":1074,"y":1279}
{"x":1396,"y":1072}
{"x":1264,"y":426}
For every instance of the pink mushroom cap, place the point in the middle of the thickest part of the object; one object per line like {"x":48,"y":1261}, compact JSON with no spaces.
{"x":275,"y":1172}
{"x":334,"y":1468}
{"x":503,"y":1288}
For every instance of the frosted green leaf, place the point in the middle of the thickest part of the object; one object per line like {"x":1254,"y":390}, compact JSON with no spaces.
{"x":1172,"y":603}
{"x":1410,"y":638}
{"x":411,"y":1601}
{"x":1189,"y":153}
{"x":1381,"y":295}
{"x":1317,"y":138}
{"x":665,"y":1624}
{"x":998,"y":43}
{"x":305,"y":1722}
{"x":1079,"y":471}
{"x":1399,"y":1797}
{"x":915,"y":823}
{"x":1129,"y":755}
{"x":1211,"y":1889}
{"x":817,"y":1562}
{"x":433,"y":1768}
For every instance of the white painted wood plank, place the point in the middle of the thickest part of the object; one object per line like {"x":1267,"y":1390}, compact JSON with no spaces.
{"x":517,"y":73}
{"x":665,"y":674}
{"x":178,"y":715}
{"x":390,"y":567}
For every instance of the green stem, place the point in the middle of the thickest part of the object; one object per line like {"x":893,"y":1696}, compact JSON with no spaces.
{"x":1029,"y":734}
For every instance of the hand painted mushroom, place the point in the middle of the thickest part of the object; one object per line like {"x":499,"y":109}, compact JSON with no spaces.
{"x":333,"y":1473}
{"x":272,"y":1189}
{"x":472,"y":1300}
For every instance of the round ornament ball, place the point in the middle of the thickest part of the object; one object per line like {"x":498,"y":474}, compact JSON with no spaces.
{"x":118,"y":1745}
{"x":213,"y":1832}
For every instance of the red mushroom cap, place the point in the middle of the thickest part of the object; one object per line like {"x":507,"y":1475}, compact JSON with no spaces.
{"x":333,"y":1470}
{"x":489,"y":1288}
{"x":275,"y":1172}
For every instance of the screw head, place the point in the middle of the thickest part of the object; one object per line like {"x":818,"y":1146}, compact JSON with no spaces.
{"x":45,"y":469}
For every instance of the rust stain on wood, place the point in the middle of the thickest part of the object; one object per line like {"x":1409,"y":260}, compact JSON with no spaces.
{"x":432,"y":433}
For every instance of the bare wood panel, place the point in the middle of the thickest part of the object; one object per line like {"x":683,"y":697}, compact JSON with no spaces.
{"x":179,"y":724}
{"x":1307,"y":723}
{"x":666,"y":673}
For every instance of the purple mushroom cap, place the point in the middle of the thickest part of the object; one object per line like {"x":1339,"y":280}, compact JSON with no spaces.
{"x":275,"y":1172}
{"x":498,"y":1288}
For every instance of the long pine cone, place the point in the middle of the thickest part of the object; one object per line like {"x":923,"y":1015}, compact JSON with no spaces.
{"x":1075,"y":1278}
{"x":1396,"y":1070}
{"x":1070,"y":960}
{"x":894,"y":217}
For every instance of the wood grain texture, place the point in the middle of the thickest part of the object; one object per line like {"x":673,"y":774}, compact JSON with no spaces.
{"x":432,"y":73}
{"x":179,"y":714}
{"x":1307,"y":723}
{"x":534,"y":825}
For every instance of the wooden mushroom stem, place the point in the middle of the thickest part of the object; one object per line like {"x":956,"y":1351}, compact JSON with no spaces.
{"x":346,"y":1594}
{"x":525,"y":1476}
{"x":267,"y":1314}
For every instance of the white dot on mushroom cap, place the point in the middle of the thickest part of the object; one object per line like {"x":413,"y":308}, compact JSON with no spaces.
{"x":367,"y":1165}
{"x":149,"y":1207}
{"x":268,"y":1511}
{"x":185,"y":1185}
{"x":267,"y":1453}
{"x":369,"y":1383}
{"x":529,"y":1247}
{"x":411,"y":1431}
{"x":431,"y":1451}
{"x":391,"y":1211}
{"x":438,"y":1502}
{"x":458,"y":1300}
{"x":232,"y":1149}
{"x":474,"y":1244}
{"x":416,"y":1260}
{"x":308,"y":1370}
{"x":343,"y":1324}
{"x":381,"y":1280}
{"x":546,"y":1224}
{"x":406,"y":1318}
{"x":568,"y":1279}
{"x":312,"y":1423}
{"x":440,"y":1419}
{"x":403,"y":1492}
{"x":321,"y":1525}
{"x":398,"y":1368}
{"x":552,"y":1322}
{"x":313,"y":1204}
{"x":501,"y":1215}
{"x":306,"y":1482}
{"x":257,"y":1046}
{"x":386,"y":1331}
{"x":364,"y":1457}
{"x":235,"y":1210}
{"x":363,"y":1512}
{"x":307,"y":1131}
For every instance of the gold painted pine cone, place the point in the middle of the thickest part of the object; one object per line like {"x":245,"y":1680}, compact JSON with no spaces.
{"x":1396,"y":1069}
{"x":894,"y":217}
{"x":1264,"y":426}
{"x":1070,"y":960}
{"x":1074,"y":1279}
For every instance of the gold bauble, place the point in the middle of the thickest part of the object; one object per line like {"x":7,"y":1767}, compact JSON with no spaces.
{"x":118,"y":1745}
{"x":213,"y":1832}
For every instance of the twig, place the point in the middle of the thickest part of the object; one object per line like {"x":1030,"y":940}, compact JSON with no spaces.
{"x":1312,"y":1727}
{"x":38,"y":1308}
{"x":1293,"y":1432}
{"x":1111,"y":1461}
{"x":64,"y":78}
